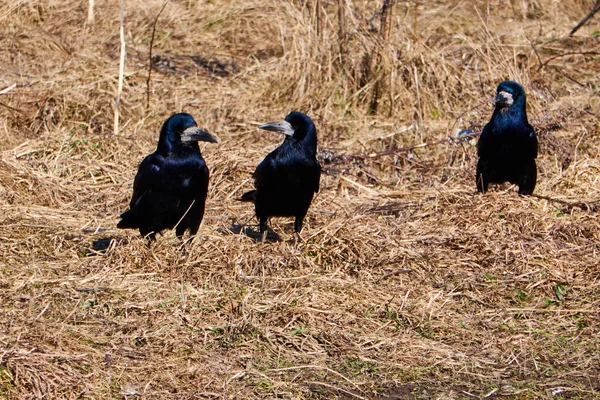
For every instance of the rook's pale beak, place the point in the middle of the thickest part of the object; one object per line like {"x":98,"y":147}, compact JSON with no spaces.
{"x":195,"y":134}
{"x":281,"y":126}
{"x":504,"y":99}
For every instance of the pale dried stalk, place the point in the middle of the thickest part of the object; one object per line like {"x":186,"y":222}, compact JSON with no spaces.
{"x":319,"y":18}
{"x":90,"y":17}
{"x":121,"y":67}
{"x":343,"y":42}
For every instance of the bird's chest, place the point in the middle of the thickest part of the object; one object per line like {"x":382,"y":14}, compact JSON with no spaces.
{"x":186,"y":175}
{"x":507,"y":132}
{"x":293,"y":171}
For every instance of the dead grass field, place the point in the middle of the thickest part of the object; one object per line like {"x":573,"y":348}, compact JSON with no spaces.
{"x":407,"y":283}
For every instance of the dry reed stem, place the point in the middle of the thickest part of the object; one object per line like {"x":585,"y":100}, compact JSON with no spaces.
{"x":90,"y":15}
{"x":121,"y":67}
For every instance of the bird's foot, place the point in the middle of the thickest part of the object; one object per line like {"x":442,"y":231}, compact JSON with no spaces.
{"x":183,"y":246}
{"x":298,"y":238}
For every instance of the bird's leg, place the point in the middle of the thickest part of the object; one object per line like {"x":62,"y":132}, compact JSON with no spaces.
{"x":150,"y":237}
{"x":263,"y":229}
{"x":185,"y":243}
{"x":298,"y":237}
{"x":528,"y":179}
{"x":298,"y":228}
{"x":298,"y":224}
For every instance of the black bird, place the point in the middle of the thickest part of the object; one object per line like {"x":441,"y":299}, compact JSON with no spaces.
{"x":508,"y":145}
{"x":169,"y":190}
{"x":287,"y":179}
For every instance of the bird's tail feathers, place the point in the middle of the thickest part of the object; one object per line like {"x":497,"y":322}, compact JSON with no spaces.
{"x":128,"y":221}
{"x":248,"y":196}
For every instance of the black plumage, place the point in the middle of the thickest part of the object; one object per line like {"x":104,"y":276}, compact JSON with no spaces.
{"x":169,"y":190}
{"x":287,"y":179}
{"x":508,"y":146}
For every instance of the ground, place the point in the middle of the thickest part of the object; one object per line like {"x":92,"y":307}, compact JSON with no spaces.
{"x":405,"y":283}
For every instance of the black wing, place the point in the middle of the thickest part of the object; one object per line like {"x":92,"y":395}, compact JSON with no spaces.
{"x":266,"y":171}
{"x":150,"y":176}
{"x":316,"y":176}
{"x":532,"y":142}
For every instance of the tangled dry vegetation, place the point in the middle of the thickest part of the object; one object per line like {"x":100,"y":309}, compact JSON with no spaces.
{"x":407,"y":284}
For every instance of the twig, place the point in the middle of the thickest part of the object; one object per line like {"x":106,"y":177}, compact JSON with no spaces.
{"x":121,"y":67}
{"x":150,"y":55}
{"x":584,"y":206}
{"x":449,"y":139}
{"x":8,"y":89}
{"x":43,"y":311}
{"x":560,"y":71}
{"x":479,"y":104}
{"x":337,"y":389}
{"x":536,"y":54}
{"x":11,"y":108}
{"x":470,"y":394}
{"x":557,"y":310}
{"x":357,"y":185}
{"x":573,"y":53}
{"x":394,"y":273}
{"x":93,"y":289}
{"x":402,"y":130}
{"x":402,"y":149}
{"x":586,"y":18}
{"x":319,"y":368}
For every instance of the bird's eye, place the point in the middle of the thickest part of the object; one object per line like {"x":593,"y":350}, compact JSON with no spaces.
{"x":294,"y":127}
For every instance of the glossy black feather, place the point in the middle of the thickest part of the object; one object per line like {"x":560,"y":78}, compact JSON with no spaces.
{"x":171,"y":184}
{"x":508,"y":145}
{"x":287,"y":179}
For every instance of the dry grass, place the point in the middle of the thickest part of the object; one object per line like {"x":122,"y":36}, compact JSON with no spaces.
{"x":407,"y":283}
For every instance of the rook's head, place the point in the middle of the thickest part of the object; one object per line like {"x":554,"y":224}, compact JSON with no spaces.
{"x":182,"y":129}
{"x":509,"y":93}
{"x":296,"y":126}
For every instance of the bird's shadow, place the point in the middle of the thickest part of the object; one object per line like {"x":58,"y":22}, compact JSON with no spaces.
{"x":102,"y":245}
{"x":252,"y":233}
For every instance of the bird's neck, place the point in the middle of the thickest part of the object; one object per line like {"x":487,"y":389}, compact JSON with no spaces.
{"x":310,"y":141}
{"x":166,"y":147}
{"x":165,"y":143}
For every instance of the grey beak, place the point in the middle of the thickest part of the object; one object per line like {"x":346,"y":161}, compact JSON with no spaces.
{"x":504,"y":99}
{"x":280,"y":126}
{"x":195,"y":134}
